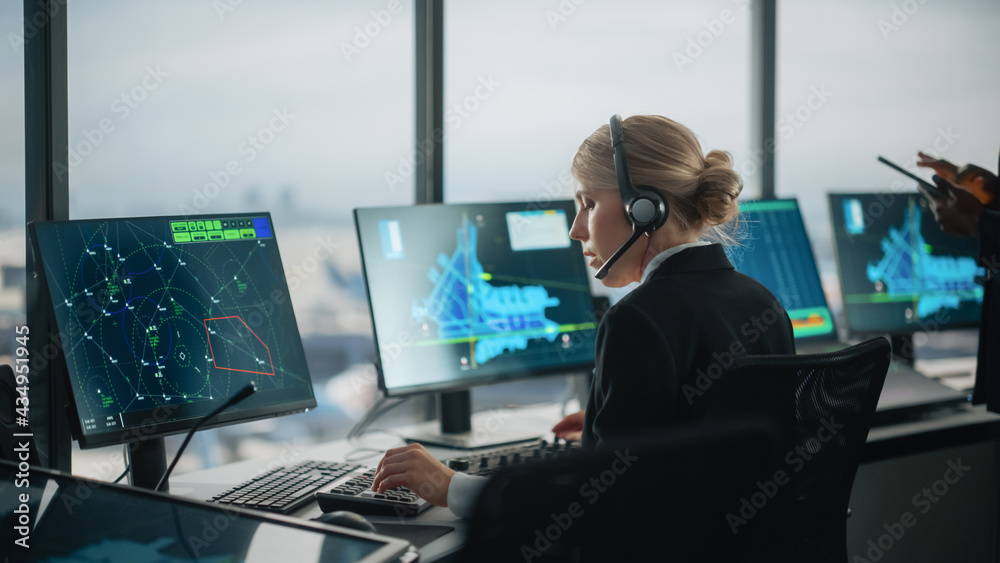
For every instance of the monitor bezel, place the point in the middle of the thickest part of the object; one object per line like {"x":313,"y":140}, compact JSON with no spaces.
{"x":852,"y":331}
{"x":159,"y":429}
{"x":582,"y":367}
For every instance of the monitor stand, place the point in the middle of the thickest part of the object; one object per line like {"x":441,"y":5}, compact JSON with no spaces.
{"x":460,"y":430}
{"x":902,"y":348}
{"x":147,"y":458}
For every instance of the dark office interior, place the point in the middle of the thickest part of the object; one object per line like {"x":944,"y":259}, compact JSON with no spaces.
{"x":262,"y":128}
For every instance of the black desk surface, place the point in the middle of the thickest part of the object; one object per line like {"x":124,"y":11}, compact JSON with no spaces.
{"x":938,"y":429}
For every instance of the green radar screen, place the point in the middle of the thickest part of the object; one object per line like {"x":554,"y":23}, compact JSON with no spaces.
{"x":161,"y":311}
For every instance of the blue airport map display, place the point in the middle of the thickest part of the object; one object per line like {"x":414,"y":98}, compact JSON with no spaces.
{"x":899,"y":272}
{"x":908,"y":269}
{"x":468,"y":294}
{"x":464,"y":305}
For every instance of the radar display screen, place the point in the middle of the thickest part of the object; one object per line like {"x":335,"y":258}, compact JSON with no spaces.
{"x":162,"y":319}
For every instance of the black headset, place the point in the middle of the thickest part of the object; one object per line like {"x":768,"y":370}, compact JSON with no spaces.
{"x":645,"y":207}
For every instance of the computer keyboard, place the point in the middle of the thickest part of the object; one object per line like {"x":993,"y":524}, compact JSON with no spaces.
{"x":487,"y":462}
{"x":356,"y":496}
{"x":285,"y":489}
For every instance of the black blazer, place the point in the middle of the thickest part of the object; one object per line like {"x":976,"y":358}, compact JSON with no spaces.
{"x":988,"y":365}
{"x":663,"y":345}
{"x":988,"y":361}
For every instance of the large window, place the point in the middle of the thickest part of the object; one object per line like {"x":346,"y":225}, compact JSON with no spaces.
{"x":305,"y":109}
{"x":12,"y":247}
{"x":527,"y":82}
{"x":523,"y":92}
{"x":862,"y":79}
{"x":302,"y":109}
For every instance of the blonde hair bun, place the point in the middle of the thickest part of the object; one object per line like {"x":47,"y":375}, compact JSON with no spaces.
{"x":719,"y":188}
{"x":702,"y":189}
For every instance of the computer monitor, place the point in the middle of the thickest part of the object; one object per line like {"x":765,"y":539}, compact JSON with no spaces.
{"x":774,"y":250}
{"x":899,"y":272}
{"x":471,"y":294}
{"x":162,"y":319}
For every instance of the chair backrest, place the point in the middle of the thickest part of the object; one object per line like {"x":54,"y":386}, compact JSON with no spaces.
{"x":763,"y":473}
{"x":824,"y":404}
{"x":654,"y":497}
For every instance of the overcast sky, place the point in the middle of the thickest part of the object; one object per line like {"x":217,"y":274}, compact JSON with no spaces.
{"x":311,"y":102}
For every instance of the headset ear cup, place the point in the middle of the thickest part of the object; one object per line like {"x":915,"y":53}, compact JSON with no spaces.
{"x":643,"y":211}
{"x":648,"y":210}
{"x":645,"y":207}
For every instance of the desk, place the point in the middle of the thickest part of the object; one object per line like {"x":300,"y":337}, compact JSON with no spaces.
{"x":204,"y":484}
{"x":939,"y":429}
{"x":943,"y":470}
{"x":901,"y":460}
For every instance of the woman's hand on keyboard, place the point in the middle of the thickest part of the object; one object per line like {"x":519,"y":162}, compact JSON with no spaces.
{"x":570,"y":428}
{"x":413,"y":467}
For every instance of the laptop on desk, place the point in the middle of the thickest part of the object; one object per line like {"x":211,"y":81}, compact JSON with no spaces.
{"x":777,"y":253}
{"x":61,"y":517}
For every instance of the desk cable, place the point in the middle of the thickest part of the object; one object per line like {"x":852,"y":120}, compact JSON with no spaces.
{"x":128,"y":463}
{"x":381,"y":406}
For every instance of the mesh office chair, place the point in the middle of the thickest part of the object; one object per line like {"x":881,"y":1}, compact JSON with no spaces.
{"x":824,"y":404}
{"x":764,"y":474}
{"x":653,"y":498}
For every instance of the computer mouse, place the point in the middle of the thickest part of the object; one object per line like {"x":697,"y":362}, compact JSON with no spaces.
{"x":346,"y":519}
